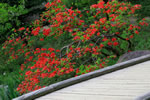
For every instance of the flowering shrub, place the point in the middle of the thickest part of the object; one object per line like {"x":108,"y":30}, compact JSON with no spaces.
{"x":94,"y":42}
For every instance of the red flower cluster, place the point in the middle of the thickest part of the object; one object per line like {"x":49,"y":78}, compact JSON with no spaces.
{"x":47,"y":65}
{"x":90,"y":47}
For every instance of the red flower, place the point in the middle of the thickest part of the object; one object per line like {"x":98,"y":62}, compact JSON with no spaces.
{"x":109,"y":43}
{"x":20,"y":29}
{"x":113,"y":39}
{"x":43,"y":49}
{"x":101,"y":45}
{"x":18,"y":88}
{"x":43,"y":75}
{"x":127,"y":39}
{"x":115,"y":43}
{"x":102,"y":20}
{"x":57,"y":50}
{"x":47,"y":5}
{"x":51,"y":49}
{"x":131,"y":36}
{"x":27,"y":54}
{"x":130,"y":27}
{"x":117,"y":33}
{"x":52,"y":55}
{"x":44,"y":19}
{"x":69,"y":55}
{"x":76,"y":37}
{"x":35,"y":80}
{"x":52,"y":74}
{"x":14,"y":30}
{"x":28,"y":73}
{"x":87,"y":49}
{"x":46,"y":32}
{"x":30,"y":58}
{"x":10,"y":41}
{"x":91,"y":44}
{"x":101,"y":66}
{"x":129,"y":50}
{"x":108,"y":11}
{"x":101,"y":4}
{"x":136,"y":32}
{"x":87,"y":11}
{"x":36,"y":31}
{"x":105,"y":39}
{"x":27,"y":29}
{"x":137,"y":6}
{"x":78,"y":12}
{"x":104,"y":28}
{"x":41,"y":39}
{"x":94,"y":6}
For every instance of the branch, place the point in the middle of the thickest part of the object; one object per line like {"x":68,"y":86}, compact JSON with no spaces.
{"x":113,"y":50}
{"x":67,"y":47}
{"x":129,"y":42}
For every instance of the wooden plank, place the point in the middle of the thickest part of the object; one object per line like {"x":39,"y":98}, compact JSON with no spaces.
{"x":88,"y":97}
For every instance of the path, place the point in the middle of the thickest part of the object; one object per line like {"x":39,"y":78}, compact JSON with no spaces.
{"x":125,"y":84}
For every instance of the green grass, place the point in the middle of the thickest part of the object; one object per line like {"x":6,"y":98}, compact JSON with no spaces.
{"x":142,"y":41}
{"x":10,"y":82}
{"x":145,"y":11}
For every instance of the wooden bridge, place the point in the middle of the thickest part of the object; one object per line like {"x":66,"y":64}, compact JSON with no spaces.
{"x":125,"y":81}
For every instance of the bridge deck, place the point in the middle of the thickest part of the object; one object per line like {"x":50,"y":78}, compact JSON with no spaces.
{"x":125,"y":84}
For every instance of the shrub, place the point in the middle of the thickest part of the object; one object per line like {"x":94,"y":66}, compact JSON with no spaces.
{"x":80,"y":4}
{"x":92,"y":43}
{"x":10,"y":10}
{"x":8,"y":19}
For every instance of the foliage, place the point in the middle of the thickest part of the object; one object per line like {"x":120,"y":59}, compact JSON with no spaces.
{"x":25,"y":3}
{"x":8,"y":19}
{"x":87,"y":42}
{"x":31,"y":3}
{"x":10,"y":10}
{"x":142,"y":41}
{"x":145,"y":10}
{"x":8,"y":85}
{"x":80,"y":4}
{"x":13,"y":2}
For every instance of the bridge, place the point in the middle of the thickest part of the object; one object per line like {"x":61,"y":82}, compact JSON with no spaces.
{"x":128,"y":80}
